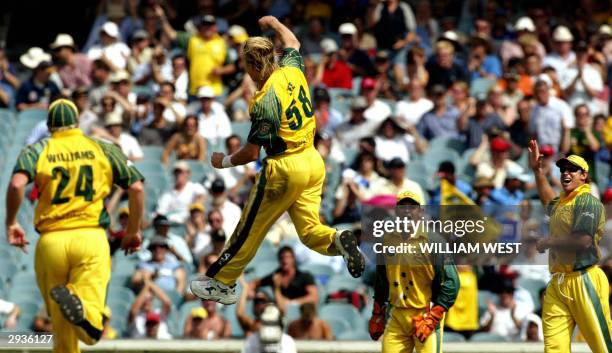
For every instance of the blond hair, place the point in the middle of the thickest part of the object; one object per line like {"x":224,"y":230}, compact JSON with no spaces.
{"x":258,"y":52}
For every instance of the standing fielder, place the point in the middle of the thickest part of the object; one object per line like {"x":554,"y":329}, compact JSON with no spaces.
{"x":578,"y":291}
{"x":74,"y":174}
{"x":292,"y":175}
{"x":418,"y":289}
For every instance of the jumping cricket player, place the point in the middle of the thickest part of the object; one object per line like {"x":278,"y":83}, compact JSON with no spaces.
{"x":292,"y":175}
{"x":578,"y":291}
{"x":418,"y":289}
{"x":74,"y":174}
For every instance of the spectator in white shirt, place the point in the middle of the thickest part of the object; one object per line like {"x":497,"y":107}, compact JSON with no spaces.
{"x":411,"y":110}
{"x":397,"y":181}
{"x":11,"y":311}
{"x":350,"y":132}
{"x":238,"y":177}
{"x":110,"y":49}
{"x":230,"y":211}
{"x":174,"y":111}
{"x":546,"y":121}
{"x":129,"y":145}
{"x":505,"y":318}
{"x":562,"y":56}
{"x":214,"y":122}
{"x":582,"y":83}
{"x":174,"y":203}
{"x":376,"y":110}
{"x":392,"y":141}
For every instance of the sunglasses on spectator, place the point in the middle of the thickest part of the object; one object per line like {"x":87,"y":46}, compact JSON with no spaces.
{"x":569,"y":168}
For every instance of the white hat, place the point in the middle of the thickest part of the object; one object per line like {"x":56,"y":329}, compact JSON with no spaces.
{"x":238,"y":34}
{"x":111,"y":29}
{"x":182,"y":165}
{"x":63,"y":40}
{"x":113,"y":118}
{"x":119,"y":76}
{"x":206,"y":92}
{"x":605,"y":29}
{"x":347,"y":28}
{"x":34,"y":57}
{"x":562,"y":34}
{"x":329,"y":46}
{"x":524,"y":24}
{"x":450,"y":35}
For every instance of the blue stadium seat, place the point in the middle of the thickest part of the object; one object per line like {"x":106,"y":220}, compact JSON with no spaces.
{"x":533,"y":286}
{"x":340,"y":282}
{"x":603,"y":177}
{"x":452,"y":337}
{"x":121,"y":294}
{"x":338,"y":324}
{"x":241,"y":129}
{"x":321,"y":272}
{"x":484,"y":296}
{"x":488,"y":337}
{"x":152,"y":153}
{"x":347,"y":312}
{"x":445,"y":143}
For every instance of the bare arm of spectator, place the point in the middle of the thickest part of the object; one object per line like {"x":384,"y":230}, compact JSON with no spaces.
{"x":327,"y":331}
{"x":140,"y":277}
{"x":4,"y":97}
{"x":202,"y":147}
{"x":565,"y":144}
{"x":480,"y":151}
{"x":246,"y":323}
{"x":469,"y":111}
{"x":113,"y":202}
{"x":593,"y":142}
{"x":248,"y":174}
{"x":6,"y":73}
{"x":163,"y":297}
{"x":281,"y":300}
{"x":11,"y":319}
{"x":227,"y":329}
{"x":166,"y":26}
{"x":488,"y":317}
{"x":419,"y":142}
{"x":169,"y":149}
{"x":139,"y":302}
{"x":180,"y":275}
{"x":127,"y":106}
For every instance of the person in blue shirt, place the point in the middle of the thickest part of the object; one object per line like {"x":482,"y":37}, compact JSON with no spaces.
{"x":482,"y":63}
{"x":38,"y":91}
{"x":446,"y":170}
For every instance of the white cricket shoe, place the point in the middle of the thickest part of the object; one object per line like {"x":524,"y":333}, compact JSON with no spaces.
{"x":211,"y":289}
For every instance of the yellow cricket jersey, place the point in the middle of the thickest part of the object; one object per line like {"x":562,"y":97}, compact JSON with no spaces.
{"x":282,"y":115}
{"x":576,"y":213}
{"x":74,"y":174}
{"x":204,"y":55}
{"x":415,"y":280}
{"x":463,"y":316}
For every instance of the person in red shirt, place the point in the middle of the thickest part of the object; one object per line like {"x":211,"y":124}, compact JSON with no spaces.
{"x":333,"y":71}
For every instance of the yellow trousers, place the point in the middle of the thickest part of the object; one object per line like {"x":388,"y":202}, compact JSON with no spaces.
{"x":577,"y":298}
{"x":290,"y":183}
{"x":399,"y":334}
{"x":80,"y":260}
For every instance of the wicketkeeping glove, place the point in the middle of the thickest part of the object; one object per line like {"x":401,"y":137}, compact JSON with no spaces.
{"x":426,"y":323}
{"x":376,"y":326}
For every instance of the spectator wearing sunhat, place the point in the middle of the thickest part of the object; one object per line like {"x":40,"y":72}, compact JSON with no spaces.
{"x":38,"y":91}
{"x":121,"y":91}
{"x":174,"y":203}
{"x":110,"y":49}
{"x":499,"y":165}
{"x":178,"y":249}
{"x":206,"y":51}
{"x":333,"y":70}
{"x":356,"y":59}
{"x":113,"y":122}
{"x":511,"y":48}
{"x":214,"y":124}
{"x":163,"y":270}
{"x":74,"y":68}
{"x":562,"y":56}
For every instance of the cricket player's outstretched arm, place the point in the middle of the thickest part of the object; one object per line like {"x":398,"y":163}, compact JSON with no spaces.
{"x":14,"y":233}
{"x":247,"y":154}
{"x":545,"y":191}
{"x":287,"y":37}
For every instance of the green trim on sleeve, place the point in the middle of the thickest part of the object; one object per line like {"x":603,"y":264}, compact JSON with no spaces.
{"x":28,"y":158}
{"x":265,"y":124}
{"x":445,"y":284}
{"x":124,"y":172}
{"x":292,"y":58}
{"x":588,"y":211}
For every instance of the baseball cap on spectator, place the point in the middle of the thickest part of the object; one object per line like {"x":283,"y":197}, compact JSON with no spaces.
{"x":607,"y":196}
{"x":120,"y":76}
{"x":347,"y":29}
{"x":199,"y":313}
{"x":161,"y":220}
{"x":196,"y":207}
{"x":217,"y":186}
{"x":63,"y":40}
{"x":113,"y":118}
{"x":158,"y":240}
{"x":499,"y":144}
{"x":517,"y":174}
{"x":547,"y":150}
{"x":182,"y":166}
{"x":206,"y":92}
{"x":152,"y":318}
{"x":437,"y":90}
{"x":238,"y":33}
{"x":124,"y":211}
{"x":111,"y":29}
{"x":35,"y":58}
{"x":359,"y":103}
{"x":368,"y":83}
{"x":446,"y":167}
{"x":140,"y":34}
{"x":321,"y":94}
{"x":409,"y":195}
{"x":329,"y":46}
{"x":524,"y":24}
{"x":396,"y":163}
{"x":562,"y":34}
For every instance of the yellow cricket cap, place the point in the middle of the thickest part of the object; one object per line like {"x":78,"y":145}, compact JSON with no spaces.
{"x":199,"y":313}
{"x":409,"y":195}
{"x":196,"y":207}
{"x":574,"y":160}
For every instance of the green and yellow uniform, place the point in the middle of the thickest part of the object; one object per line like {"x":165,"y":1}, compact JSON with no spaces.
{"x":74,"y":174}
{"x":410,"y":284}
{"x":578,"y":292}
{"x":463,"y":316}
{"x":204,"y":55}
{"x":292,"y":175}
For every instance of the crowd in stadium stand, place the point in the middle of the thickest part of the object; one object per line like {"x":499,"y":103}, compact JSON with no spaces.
{"x":405,"y":93}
